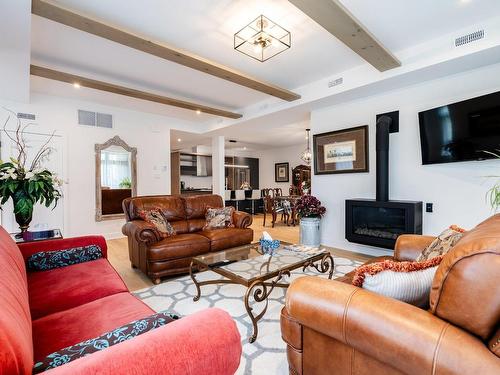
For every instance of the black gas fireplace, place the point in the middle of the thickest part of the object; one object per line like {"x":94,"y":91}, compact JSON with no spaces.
{"x":379,"y":222}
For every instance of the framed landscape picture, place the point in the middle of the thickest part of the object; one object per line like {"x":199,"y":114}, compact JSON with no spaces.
{"x":281,"y":172}
{"x":341,"y":151}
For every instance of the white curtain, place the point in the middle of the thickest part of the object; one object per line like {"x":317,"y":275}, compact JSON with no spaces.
{"x":115,"y":168}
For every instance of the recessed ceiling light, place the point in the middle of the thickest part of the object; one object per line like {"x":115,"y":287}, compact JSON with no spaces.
{"x":76,"y":85}
{"x":244,"y":148}
{"x":178,"y":139}
{"x":198,"y":112}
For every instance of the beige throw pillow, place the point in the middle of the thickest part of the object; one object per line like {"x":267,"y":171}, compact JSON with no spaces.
{"x":409,"y":282}
{"x":442,"y":244}
{"x":218,"y":218}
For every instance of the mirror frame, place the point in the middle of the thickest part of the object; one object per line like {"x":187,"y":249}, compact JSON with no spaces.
{"x":115,"y":141}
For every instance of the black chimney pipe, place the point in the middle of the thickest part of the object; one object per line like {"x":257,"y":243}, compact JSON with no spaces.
{"x":382,"y":147}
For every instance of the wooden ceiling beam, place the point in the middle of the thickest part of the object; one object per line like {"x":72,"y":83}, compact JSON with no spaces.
{"x":68,"y":18}
{"x":133,"y":93}
{"x":338,"y":21}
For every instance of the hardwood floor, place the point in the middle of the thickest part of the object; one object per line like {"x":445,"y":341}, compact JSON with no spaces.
{"x":135,"y":279}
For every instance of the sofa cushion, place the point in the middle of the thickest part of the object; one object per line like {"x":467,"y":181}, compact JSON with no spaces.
{"x":221,"y":239}
{"x":348,"y":277}
{"x":123,"y":333}
{"x":219,"y":218}
{"x":466,"y":288}
{"x":16,"y":348}
{"x":158,"y":220}
{"x":67,"y":287}
{"x":172,"y":206}
{"x":196,"y":206}
{"x":442,"y":244}
{"x":47,"y":260}
{"x":69,"y":327}
{"x":180,"y":246}
{"x":409,"y":282}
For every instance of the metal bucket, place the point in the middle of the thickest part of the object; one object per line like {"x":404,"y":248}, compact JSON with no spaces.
{"x":310,"y":232}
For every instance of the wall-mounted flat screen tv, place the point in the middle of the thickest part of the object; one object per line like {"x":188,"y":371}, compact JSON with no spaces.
{"x":461,"y":131}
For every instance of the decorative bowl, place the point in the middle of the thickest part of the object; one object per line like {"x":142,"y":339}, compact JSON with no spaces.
{"x":269,"y":247}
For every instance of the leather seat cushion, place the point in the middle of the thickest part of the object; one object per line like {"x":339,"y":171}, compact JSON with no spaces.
{"x":221,"y":239}
{"x":179,"y":246}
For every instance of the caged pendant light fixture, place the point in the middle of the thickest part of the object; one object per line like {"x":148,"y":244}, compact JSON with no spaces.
{"x":262,"y":39}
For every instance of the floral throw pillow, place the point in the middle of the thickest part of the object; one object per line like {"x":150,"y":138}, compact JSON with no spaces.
{"x":157,"y":218}
{"x":123,"y":333}
{"x":47,"y":260}
{"x":442,"y":244}
{"x":219,"y":218}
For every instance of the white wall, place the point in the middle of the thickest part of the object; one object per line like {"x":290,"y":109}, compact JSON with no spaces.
{"x":15,"y":51}
{"x":267,"y":159}
{"x":149,"y":133}
{"x":456,"y":189}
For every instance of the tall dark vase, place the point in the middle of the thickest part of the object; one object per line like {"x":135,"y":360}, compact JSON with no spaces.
{"x":23,"y":209}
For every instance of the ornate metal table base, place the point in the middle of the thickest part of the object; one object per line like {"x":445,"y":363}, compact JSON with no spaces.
{"x":260,"y":290}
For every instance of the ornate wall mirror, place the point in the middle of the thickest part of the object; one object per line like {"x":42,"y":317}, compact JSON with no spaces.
{"x":115,"y":177}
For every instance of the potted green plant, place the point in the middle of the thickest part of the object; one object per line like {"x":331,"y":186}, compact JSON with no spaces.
{"x":493,"y":195}
{"x":27,"y":183}
{"x":126,"y":183}
{"x":310,"y":211}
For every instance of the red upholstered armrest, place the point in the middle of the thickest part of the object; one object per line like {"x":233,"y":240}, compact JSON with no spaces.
{"x":31,"y":248}
{"x":207,"y":343}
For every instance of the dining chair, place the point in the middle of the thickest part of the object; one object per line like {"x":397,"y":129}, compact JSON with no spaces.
{"x":273,"y":208}
{"x":278,"y":192}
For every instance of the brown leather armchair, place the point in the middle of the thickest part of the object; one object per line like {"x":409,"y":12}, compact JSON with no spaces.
{"x":332,"y":327}
{"x":158,"y":257}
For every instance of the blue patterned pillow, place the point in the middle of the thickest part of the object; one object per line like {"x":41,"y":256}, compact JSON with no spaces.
{"x":118,"y":335}
{"x":47,"y":260}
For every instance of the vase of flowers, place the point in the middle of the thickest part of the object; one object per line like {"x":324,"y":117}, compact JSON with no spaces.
{"x":309,"y":210}
{"x":27,"y":183}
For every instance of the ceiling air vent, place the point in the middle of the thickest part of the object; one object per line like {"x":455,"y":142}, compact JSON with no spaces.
{"x":469,"y":38}
{"x":104,"y":120}
{"x":26,"y":116}
{"x":335,"y":82}
{"x":88,"y":118}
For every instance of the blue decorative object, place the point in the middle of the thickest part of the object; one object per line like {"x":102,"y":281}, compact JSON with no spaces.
{"x":47,"y":260}
{"x":269,"y":247}
{"x":118,"y":335}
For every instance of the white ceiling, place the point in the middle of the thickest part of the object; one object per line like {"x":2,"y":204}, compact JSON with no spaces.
{"x":206,"y":28}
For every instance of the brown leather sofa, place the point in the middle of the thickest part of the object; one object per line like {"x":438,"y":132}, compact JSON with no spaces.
{"x":158,"y":257}
{"x":331,"y":327}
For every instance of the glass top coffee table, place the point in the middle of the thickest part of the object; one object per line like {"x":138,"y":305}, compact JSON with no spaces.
{"x":260,"y":274}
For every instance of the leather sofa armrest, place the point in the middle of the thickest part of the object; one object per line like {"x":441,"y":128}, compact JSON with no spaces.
{"x":242,"y":219}
{"x":141,"y":231}
{"x":30,"y":248}
{"x":409,"y":246}
{"x":410,"y":339}
{"x":207,"y":342}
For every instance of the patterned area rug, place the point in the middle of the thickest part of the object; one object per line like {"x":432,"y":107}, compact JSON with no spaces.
{"x":267,"y":354}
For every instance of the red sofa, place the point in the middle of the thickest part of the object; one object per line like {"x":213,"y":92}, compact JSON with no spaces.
{"x":41,"y":312}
